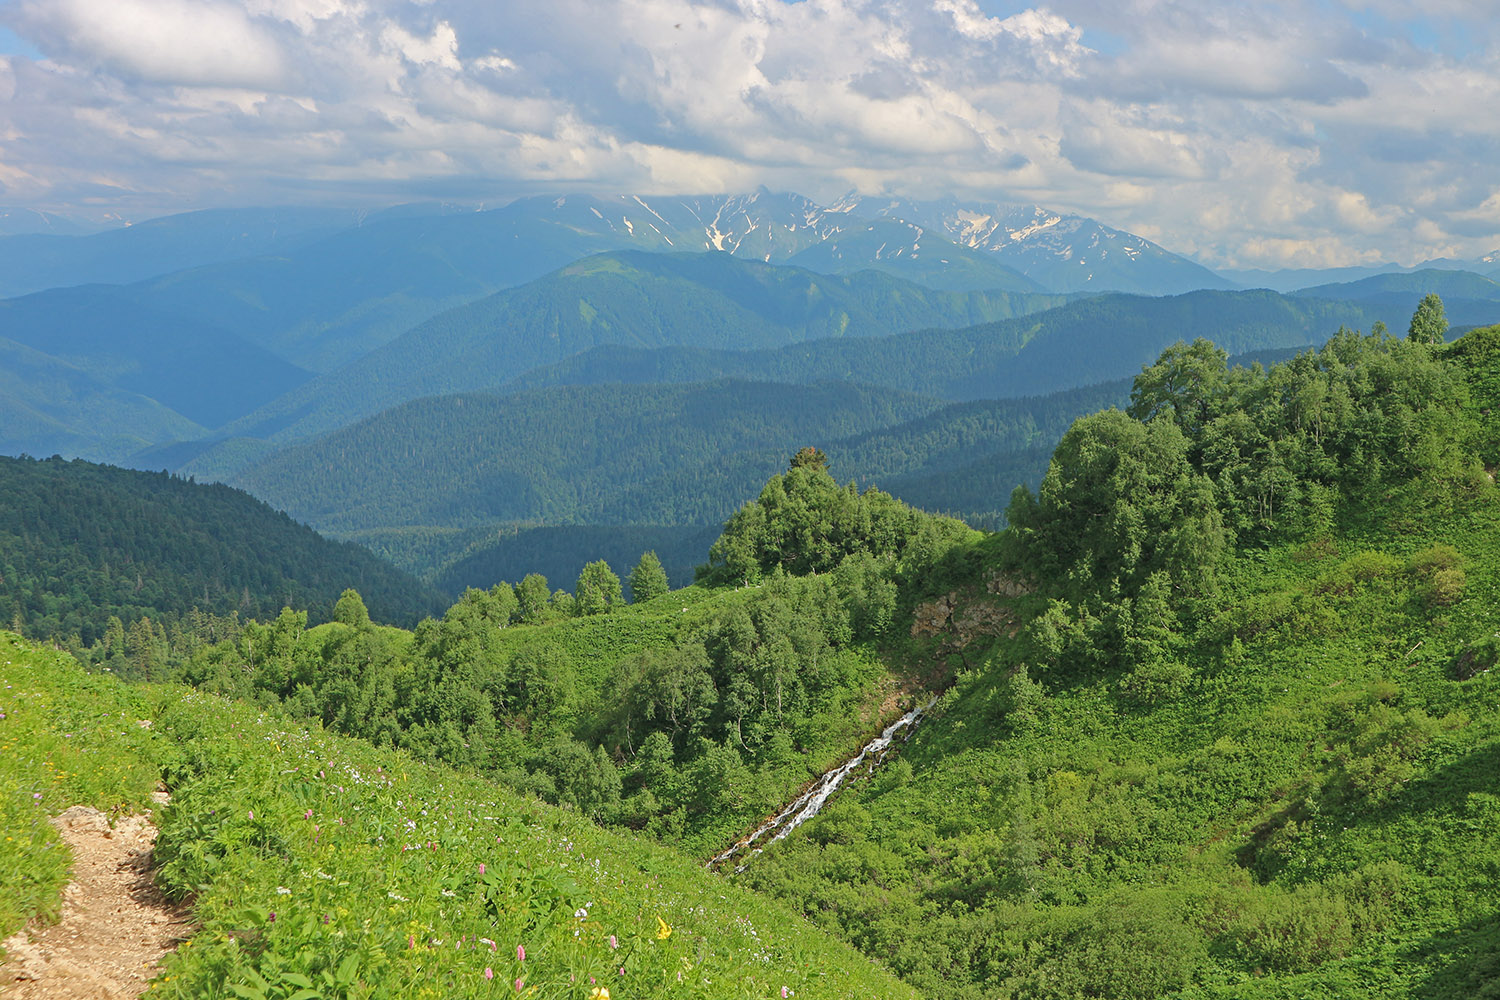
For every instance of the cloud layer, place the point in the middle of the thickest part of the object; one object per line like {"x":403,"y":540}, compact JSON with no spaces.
{"x":1294,"y":134}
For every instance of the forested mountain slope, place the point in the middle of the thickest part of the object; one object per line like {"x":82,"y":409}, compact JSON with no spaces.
{"x":647,"y":300}
{"x":1469,"y":299}
{"x":595,"y":454}
{"x":1080,"y":343}
{"x":80,"y":543}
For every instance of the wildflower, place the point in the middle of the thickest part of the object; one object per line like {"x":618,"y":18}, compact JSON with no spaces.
{"x":481,"y":867}
{"x":785,"y":993}
{"x":489,"y":973}
{"x":613,"y":944}
{"x":252,"y":813}
{"x":663,"y":929}
{"x":520,"y":953}
{"x":272,"y":918}
{"x":519,"y":983}
{"x":599,"y":993}
{"x":307,"y":815}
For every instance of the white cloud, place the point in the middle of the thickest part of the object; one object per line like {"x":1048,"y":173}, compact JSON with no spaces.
{"x":1272,"y":133}
{"x":172,"y":41}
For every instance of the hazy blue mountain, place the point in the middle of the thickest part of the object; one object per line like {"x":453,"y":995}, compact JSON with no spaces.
{"x":644,"y":299}
{"x":1291,"y":279}
{"x":204,"y":373}
{"x":1469,"y":299}
{"x":33,"y":221}
{"x":1413,"y":284}
{"x":1065,"y":253}
{"x":39,"y":258}
{"x":49,"y":407}
{"x":1078,"y":343}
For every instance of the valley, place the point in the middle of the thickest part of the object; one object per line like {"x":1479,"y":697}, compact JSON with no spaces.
{"x":500,"y":574}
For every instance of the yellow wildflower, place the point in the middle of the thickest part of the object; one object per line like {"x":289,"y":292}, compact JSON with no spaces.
{"x":663,"y":929}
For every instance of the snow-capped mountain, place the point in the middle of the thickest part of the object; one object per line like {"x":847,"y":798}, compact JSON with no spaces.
{"x":950,"y":244}
{"x":762,"y":225}
{"x":1066,"y":253}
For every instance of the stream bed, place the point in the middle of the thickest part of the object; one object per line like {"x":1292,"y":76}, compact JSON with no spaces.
{"x":805,"y":806}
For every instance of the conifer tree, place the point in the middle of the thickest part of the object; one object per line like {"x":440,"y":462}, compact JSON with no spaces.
{"x":648,"y":579}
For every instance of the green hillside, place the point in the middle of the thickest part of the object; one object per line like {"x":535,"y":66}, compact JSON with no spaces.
{"x":320,"y":866}
{"x":81,"y":543}
{"x":1224,"y":724}
{"x":641,"y":299}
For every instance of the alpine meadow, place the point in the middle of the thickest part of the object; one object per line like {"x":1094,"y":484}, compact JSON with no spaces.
{"x":749,"y":499}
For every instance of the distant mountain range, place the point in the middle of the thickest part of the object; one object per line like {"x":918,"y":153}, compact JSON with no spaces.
{"x":299,"y":351}
{"x":706,"y":300}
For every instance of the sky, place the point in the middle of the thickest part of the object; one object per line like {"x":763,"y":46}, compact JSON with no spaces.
{"x":1314,"y":133}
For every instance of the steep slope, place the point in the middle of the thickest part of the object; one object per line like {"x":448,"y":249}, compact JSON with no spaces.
{"x":80,"y":542}
{"x":649,"y":300}
{"x":369,"y":873}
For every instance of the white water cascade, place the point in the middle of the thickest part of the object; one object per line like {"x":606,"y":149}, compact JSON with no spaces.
{"x":805,"y":806}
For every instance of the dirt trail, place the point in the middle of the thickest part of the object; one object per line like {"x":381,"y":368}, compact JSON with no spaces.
{"x":115,"y":925}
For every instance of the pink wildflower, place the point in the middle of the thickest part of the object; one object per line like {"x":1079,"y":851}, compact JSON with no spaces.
{"x":519,"y":983}
{"x":489,"y":973}
{"x":613,"y":944}
{"x":520,"y":953}
{"x":481,"y":867}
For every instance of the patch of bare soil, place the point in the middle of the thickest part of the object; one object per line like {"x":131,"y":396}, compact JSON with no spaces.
{"x":115,"y":925}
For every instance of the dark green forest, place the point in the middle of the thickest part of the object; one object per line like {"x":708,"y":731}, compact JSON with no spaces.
{"x":81,"y":544}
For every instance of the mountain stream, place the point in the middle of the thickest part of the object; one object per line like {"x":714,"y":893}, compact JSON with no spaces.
{"x":805,"y":806}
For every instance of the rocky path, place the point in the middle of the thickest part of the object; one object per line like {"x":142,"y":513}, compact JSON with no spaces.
{"x":115,"y":925}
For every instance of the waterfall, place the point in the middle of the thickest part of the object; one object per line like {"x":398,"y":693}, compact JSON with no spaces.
{"x":805,"y":806}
